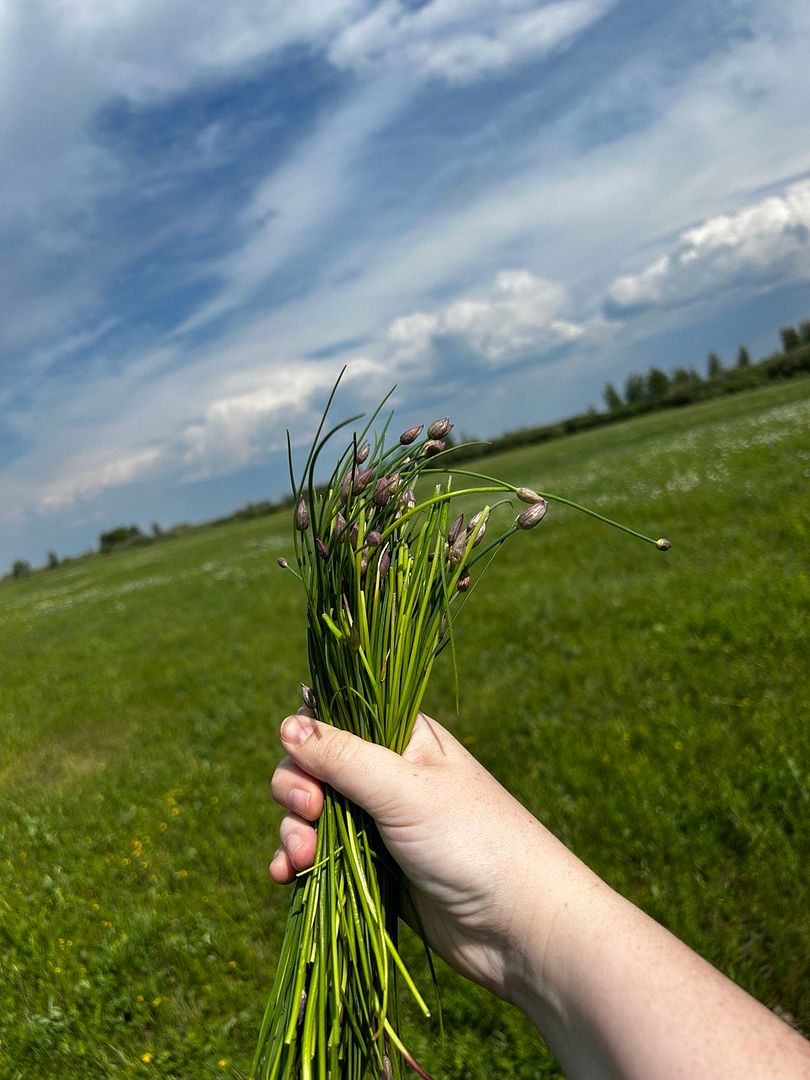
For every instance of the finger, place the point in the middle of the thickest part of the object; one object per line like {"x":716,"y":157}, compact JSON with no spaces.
{"x":370,"y":775}
{"x":296,"y":790}
{"x":430,"y":743}
{"x":281,"y":869}
{"x":299,"y":841}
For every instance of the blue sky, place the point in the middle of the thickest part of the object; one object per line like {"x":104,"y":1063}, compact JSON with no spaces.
{"x":207,"y":209}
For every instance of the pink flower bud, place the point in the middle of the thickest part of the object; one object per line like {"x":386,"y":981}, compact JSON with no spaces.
{"x":301,"y":516}
{"x":339,"y":528}
{"x":439,"y":428}
{"x":532,"y":515}
{"x":385,"y":563}
{"x":282,"y":562}
{"x":308,"y":696}
{"x":362,"y":453}
{"x":432,"y":446}
{"x":322,"y":549}
{"x":407,"y":437}
{"x":362,"y":480}
{"x":478,"y":527}
{"x":382,"y":491}
{"x":463,"y":582}
{"x":373,"y":539}
{"x":456,"y":550}
{"x":455,"y":529}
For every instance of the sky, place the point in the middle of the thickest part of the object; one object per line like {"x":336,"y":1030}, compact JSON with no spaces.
{"x":207,"y":209}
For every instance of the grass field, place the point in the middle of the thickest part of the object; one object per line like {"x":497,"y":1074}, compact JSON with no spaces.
{"x":651,"y":709}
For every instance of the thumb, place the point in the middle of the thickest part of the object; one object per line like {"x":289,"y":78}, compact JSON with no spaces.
{"x":370,"y":775}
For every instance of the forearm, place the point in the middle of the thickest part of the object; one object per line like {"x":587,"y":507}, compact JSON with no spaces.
{"x":616,"y":995}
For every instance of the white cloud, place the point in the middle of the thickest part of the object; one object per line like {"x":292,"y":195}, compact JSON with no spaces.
{"x":462,"y":40}
{"x":519,"y":315}
{"x":764,"y":243}
{"x":87,"y":476}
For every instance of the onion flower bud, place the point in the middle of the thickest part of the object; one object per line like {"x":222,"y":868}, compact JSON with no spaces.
{"x":385,"y":563}
{"x":478,"y":527}
{"x":362,"y":453}
{"x":532,"y":515}
{"x":439,"y":428}
{"x":382,"y":491}
{"x":308,"y":696}
{"x":663,"y":544}
{"x":455,"y":529}
{"x":362,"y":480}
{"x":407,"y":437}
{"x":463,"y":582}
{"x":408,"y":499}
{"x":528,"y":496}
{"x":432,"y":446}
{"x":373,"y":539}
{"x":322,"y":549}
{"x":455,"y":552}
{"x":301,"y":516}
{"x":282,"y":562}
{"x":339,"y":528}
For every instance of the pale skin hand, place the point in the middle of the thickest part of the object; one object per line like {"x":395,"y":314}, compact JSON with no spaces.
{"x":509,"y":906}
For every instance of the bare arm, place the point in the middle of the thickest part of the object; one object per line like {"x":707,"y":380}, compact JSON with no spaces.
{"x":504,"y":902}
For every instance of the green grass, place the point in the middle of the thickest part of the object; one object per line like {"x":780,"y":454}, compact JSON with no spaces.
{"x":651,"y":709}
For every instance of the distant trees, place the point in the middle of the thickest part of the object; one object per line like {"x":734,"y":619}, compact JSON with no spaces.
{"x":714,"y":365}
{"x":611,"y":397}
{"x":52,"y":559}
{"x":804,"y":332}
{"x":20,"y":568}
{"x":657,"y":384}
{"x":634,"y":391}
{"x":790,"y":339}
{"x":122,"y":536}
{"x":743,"y":357}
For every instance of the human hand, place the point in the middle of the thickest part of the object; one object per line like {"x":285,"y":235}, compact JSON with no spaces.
{"x":463,"y":842}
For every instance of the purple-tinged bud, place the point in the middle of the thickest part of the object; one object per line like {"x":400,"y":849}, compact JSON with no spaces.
{"x":407,"y":437}
{"x":322,"y":549}
{"x":373,"y":539}
{"x":456,"y":550}
{"x":282,"y":562}
{"x":387,"y":1072}
{"x":362,"y":480}
{"x":362,"y":453}
{"x":455,"y":529}
{"x":302,"y":1007}
{"x":532,"y":515}
{"x":339,"y":528}
{"x":528,"y":496}
{"x":478,"y":527}
{"x":385,"y":562}
{"x":394,"y":480}
{"x":346,"y":485}
{"x":663,"y":544}
{"x":432,"y":446}
{"x":301,"y":516}
{"x":408,"y":499}
{"x":382,"y":491}
{"x":354,"y":534}
{"x":308,"y":696}
{"x":463,"y":582}
{"x":439,"y":428}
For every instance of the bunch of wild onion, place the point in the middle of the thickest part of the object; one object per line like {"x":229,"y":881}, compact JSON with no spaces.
{"x":384,"y":576}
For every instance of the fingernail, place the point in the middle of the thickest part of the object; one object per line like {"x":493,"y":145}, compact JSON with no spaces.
{"x":299,"y":801}
{"x":293,"y":843}
{"x":295,"y":731}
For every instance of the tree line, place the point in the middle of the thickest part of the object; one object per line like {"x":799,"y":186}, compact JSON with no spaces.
{"x":641,"y":393}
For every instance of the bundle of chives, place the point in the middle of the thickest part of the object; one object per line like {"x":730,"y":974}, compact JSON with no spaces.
{"x":384,"y":577}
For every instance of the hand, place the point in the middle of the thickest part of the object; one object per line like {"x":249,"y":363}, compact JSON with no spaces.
{"x":461,"y":839}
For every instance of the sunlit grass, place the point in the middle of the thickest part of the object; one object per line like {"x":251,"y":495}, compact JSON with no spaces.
{"x":650,"y":708}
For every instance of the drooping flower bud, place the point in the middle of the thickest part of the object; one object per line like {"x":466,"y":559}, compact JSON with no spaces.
{"x":354,"y":534}
{"x":407,"y":437}
{"x":456,"y":550}
{"x":308,"y":696}
{"x":432,"y":446}
{"x":439,"y":428}
{"x":478,"y":527}
{"x":385,"y":562}
{"x":339,"y":528}
{"x":532,"y":515}
{"x":408,"y":499}
{"x":322,"y":549}
{"x":301,"y":516}
{"x":463,"y":582}
{"x":528,"y":496}
{"x":346,"y":484}
{"x":373,"y":539}
{"x":282,"y":562}
{"x":455,"y":529}
{"x":382,"y":491}
{"x":362,"y":453}
{"x":663,"y":544}
{"x":362,"y":480}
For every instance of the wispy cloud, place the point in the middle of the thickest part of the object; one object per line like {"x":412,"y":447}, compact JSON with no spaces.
{"x":761,"y":244}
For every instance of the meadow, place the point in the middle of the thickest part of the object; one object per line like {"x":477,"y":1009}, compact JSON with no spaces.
{"x":651,"y":709}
